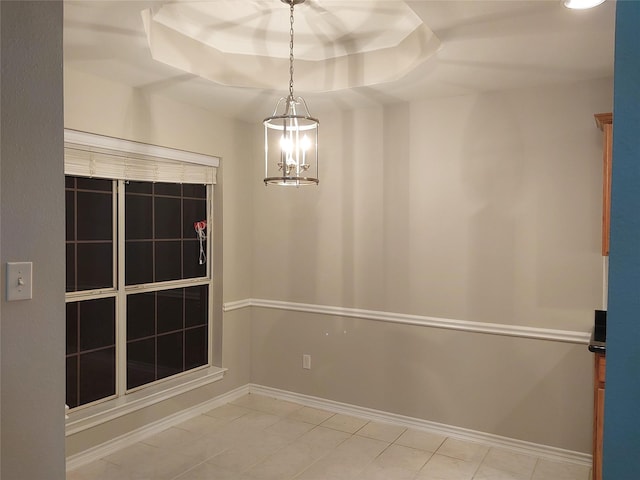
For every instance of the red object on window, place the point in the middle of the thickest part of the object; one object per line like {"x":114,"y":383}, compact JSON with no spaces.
{"x":200,"y":228}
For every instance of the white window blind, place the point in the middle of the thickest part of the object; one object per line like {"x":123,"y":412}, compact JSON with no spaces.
{"x":90,"y":155}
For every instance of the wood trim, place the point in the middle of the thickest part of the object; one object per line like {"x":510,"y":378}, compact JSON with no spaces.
{"x":598,"y":413}
{"x":604,"y":121}
{"x":597,"y":455}
{"x":600,"y":368}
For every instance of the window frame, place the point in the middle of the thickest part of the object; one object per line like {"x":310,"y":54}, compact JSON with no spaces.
{"x":104,"y":292}
{"x":126,"y":400}
{"x":126,"y":290}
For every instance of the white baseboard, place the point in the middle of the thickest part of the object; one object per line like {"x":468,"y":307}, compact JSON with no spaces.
{"x":128,"y":439}
{"x":529,"y":448}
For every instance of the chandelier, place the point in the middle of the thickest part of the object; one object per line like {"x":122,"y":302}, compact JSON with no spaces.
{"x":291,"y":134}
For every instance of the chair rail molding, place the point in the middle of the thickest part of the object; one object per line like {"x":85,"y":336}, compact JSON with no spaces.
{"x":549,"y":334}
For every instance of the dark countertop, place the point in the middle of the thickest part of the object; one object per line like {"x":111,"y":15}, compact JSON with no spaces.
{"x":597,"y":342}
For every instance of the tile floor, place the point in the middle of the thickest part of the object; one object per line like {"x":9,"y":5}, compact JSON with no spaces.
{"x":262,"y":438}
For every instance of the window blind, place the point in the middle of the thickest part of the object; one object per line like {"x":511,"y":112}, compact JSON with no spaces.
{"x":126,"y":160}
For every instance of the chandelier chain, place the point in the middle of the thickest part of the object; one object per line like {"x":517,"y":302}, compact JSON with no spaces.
{"x":291,"y":51}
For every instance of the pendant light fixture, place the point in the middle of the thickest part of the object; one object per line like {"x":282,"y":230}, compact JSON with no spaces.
{"x":291,"y":135}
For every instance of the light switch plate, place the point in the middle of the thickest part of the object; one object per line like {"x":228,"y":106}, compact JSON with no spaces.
{"x":19,"y":280}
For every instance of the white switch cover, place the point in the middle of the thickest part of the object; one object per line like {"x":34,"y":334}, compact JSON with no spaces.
{"x":306,"y":362}
{"x":19,"y":280}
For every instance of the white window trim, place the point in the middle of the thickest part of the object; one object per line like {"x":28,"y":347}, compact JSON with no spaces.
{"x":97,"y":414}
{"x":90,"y":155}
{"x":84,"y":417}
{"x":91,"y":140}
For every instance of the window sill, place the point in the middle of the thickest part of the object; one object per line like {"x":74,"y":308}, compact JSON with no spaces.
{"x":98,"y":414}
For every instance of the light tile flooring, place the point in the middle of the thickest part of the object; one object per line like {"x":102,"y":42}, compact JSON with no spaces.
{"x":261,"y":438}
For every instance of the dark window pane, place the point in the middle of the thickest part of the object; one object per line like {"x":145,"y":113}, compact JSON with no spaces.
{"x":71,"y":267}
{"x":95,"y":216}
{"x":193,"y":211}
{"x":167,"y":331}
{"x":97,"y":375}
{"x":196,"y":306}
{"x":168,"y":261}
{"x":95,"y":265}
{"x":173,"y":189}
{"x":195,"y":347}
{"x":191,"y":258}
{"x":97,"y":323}
{"x":72,"y":381}
{"x":141,"y":361}
{"x":194,"y":190}
{"x":138,"y":217}
{"x":141,"y":315}
{"x":167,"y":217}
{"x":139,"y":187}
{"x":72,"y":328}
{"x":169,"y":354}
{"x":170,"y":310}
{"x":70,"y":217}
{"x":95,"y":184}
{"x":139,"y":263}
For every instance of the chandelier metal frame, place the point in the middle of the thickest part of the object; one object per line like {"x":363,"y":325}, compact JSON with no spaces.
{"x":291,"y":137}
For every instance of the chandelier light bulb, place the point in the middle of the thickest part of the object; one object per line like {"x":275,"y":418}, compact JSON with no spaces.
{"x":286,"y":144}
{"x":305,"y":144}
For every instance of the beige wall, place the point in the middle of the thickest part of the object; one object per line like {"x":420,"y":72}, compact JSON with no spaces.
{"x":532,"y":390}
{"x":32,"y":229}
{"x":96,"y":105}
{"x":483,"y":208}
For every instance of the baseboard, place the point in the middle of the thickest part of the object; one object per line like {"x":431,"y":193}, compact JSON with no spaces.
{"x":111,"y":446}
{"x":529,"y":448}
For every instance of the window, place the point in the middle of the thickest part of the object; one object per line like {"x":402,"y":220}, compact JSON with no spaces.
{"x":161,"y":243}
{"x":138,"y":276}
{"x":90,"y":233}
{"x":166,"y":333}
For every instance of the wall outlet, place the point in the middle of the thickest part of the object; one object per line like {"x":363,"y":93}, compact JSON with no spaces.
{"x":306,"y":361}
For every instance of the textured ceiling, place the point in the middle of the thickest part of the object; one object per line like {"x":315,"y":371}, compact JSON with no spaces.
{"x":246,"y":44}
{"x":479,"y":46}
{"x":323,"y":28}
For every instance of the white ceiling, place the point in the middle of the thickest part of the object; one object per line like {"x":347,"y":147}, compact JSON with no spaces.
{"x":484,"y":46}
{"x":323,"y":28}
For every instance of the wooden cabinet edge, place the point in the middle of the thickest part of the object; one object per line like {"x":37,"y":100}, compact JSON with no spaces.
{"x":603,"y":119}
{"x":604,"y":122}
{"x":599,"y":376}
